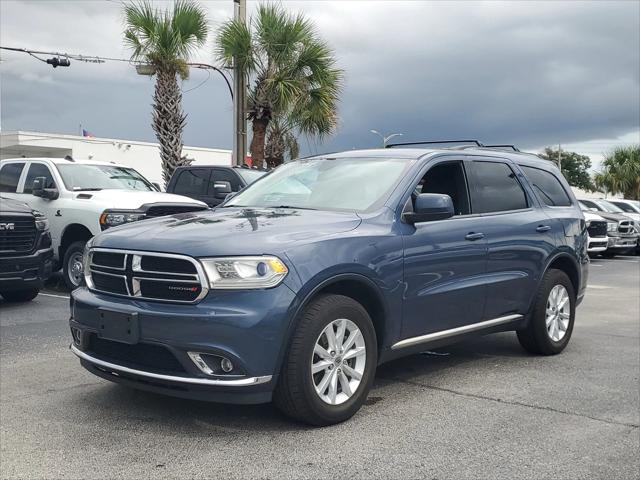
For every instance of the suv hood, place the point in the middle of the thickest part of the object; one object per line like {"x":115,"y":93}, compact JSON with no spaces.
{"x":131,"y":199}
{"x":228,"y":231}
{"x":616,"y":217}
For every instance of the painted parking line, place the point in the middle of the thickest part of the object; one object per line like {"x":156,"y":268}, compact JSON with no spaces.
{"x":599,"y":287}
{"x":52,"y":295}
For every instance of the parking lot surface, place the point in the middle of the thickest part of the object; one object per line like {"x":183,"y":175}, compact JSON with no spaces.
{"x":479,"y":409}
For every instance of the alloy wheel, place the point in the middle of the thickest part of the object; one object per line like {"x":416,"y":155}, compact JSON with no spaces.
{"x":75,"y":269}
{"x":558,"y":313}
{"x":338,"y":361}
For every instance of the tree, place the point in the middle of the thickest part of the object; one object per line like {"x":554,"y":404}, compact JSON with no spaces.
{"x":280,"y":141}
{"x":291,"y":73}
{"x":620,"y":172}
{"x":164,"y":40}
{"x":575,"y":167}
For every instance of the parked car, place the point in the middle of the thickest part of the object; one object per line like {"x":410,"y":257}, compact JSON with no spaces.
{"x":299,"y":286}
{"x":83,"y":197}
{"x":211,"y":183}
{"x":621,"y":230}
{"x":631,"y":208}
{"x":25,"y":251}
{"x":597,"y":231}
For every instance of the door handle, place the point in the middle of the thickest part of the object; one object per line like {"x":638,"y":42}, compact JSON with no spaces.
{"x":543,"y":228}
{"x":474,"y":236}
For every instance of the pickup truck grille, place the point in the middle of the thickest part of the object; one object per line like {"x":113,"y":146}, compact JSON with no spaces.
{"x":17,"y":234}
{"x":626,"y":227}
{"x":146,"y":275}
{"x":162,"y":210}
{"x":597,"y":229}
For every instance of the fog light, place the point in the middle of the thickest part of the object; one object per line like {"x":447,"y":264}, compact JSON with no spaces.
{"x":76,"y":333}
{"x":226,"y":365}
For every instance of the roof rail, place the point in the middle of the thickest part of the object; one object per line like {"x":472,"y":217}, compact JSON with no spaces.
{"x":433,"y":142}
{"x":510,"y":147}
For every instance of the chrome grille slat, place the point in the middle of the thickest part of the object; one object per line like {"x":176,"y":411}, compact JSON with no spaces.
{"x":188,"y":288}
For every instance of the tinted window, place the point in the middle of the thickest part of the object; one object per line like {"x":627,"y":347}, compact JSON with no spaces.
{"x":38,"y":170}
{"x":224,"y":176}
{"x":547,"y":187}
{"x":192,"y":182}
{"x":496,"y":188}
{"x":449,"y":179}
{"x":625,"y":207}
{"x":9,"y":176}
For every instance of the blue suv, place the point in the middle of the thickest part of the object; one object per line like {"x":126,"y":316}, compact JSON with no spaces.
{"x":297,"y":287}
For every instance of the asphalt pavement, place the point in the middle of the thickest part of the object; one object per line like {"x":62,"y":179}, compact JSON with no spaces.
{"x":480,"y":409}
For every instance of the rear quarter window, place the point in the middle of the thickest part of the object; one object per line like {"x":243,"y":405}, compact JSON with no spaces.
{"x":547,"y":187}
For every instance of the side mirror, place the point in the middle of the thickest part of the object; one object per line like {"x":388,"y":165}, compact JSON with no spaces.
{"x":38,"y":189}
{"x":221,"y":189}
{"x":430,"y":207}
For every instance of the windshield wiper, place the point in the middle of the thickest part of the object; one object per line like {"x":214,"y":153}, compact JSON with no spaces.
{"x":291,"y":206}
{"x":76,"y":189}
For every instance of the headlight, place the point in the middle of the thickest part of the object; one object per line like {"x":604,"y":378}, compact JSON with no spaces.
{"x":244,"y":272}
{"x":86,"y":261}
{"x":41,"y":220}
{"x":588,"y":223}
{"x":612,"y":227}
{"x":112,"y":218}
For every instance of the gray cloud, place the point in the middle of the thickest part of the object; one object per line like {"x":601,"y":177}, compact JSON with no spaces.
{"x":524,"y":72}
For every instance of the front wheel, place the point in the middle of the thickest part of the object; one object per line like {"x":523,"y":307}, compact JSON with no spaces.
{"x":330,"y":364}
{"x":553,"y":315}
{"x":72,"y":269}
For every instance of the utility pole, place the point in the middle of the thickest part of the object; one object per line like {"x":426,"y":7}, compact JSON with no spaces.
{"x":239,"y":98}
{"x":559,"y":157}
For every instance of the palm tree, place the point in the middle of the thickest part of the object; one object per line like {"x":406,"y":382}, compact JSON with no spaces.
{"x":280,"y":141}
{"x":164,"y":41}
{"x":291,"y":71}
{"x":621,"y":172}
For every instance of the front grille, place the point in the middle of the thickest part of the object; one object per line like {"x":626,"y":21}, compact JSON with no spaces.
{"x":162,"y":210}
{"x":17,"y":234}
{"x":597,"y":229}
{"x":140,"y":356}
{"x":626,"y":227}
{"x":147,"y":275}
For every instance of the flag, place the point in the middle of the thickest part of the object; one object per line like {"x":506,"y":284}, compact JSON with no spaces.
{"x":86,"y":133}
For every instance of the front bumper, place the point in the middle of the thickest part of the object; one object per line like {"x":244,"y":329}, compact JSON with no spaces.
{"x":248,"y":328}
{"x":622,"y":242}
{"x":597,"y":244}
{"x":26,"y":271}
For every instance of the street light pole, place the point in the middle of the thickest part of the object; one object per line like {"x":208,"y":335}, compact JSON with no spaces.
{"x":239,"y":99}
{"x":387,"y":138}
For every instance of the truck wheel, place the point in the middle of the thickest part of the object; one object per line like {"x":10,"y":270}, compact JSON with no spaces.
{"x":24,"y":295}
{"x":330,"y":364}
{"x":551,"y":322}
{"x":72,"y":270}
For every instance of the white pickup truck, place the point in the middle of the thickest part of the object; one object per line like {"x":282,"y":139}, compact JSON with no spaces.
{"x":82,"y":198}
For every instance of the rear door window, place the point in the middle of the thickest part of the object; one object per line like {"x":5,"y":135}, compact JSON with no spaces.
{"x":496,"y":188}
{"x":192,"y":182}
{"x":547,"y":187}
{"x":10,"y":176}
{"x":38,"y":170}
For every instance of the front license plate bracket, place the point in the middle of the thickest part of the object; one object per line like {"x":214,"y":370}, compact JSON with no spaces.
{"x":118,"y":326}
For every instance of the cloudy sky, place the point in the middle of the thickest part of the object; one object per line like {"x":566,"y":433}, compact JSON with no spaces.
{"x":529,"y":73}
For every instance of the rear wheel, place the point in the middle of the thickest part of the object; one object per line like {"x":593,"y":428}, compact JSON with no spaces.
{"x":330,"y":364}
{"x":72,"y":269}
{"x":24,"y":295}
{"x":553,"y":315}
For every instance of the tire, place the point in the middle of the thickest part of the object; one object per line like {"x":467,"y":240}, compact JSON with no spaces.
{"x":537,"y":337}
{"x":296,"y":394}
{"x":24,"y":295}
{"x":70,"y":257}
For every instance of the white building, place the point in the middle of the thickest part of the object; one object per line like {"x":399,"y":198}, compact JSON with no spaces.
{"x":143,"y":156}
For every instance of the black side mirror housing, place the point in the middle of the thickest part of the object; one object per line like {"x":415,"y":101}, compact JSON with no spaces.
{"x":429,"y":207}
{"x":221,"y":189}
{"x":38,"y":189}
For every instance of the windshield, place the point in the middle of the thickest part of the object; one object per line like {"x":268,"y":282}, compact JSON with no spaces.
{"x":627,"y":207}
{"x":102,"y":177}
{"x":610,"y":207}
{"x":325,"y":184}
{"x":250,"y":176}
